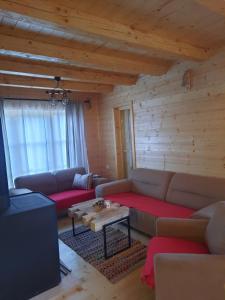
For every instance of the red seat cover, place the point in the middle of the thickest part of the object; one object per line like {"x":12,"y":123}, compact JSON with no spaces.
{"x":151,"y":205}
{"x":68,"y":198}
{"x":168,"y":245}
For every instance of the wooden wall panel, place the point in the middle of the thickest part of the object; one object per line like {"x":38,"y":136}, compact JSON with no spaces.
{"x":175,"y":129}
{"x":91,"y":116}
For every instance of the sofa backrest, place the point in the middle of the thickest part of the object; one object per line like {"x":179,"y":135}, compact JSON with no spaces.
{"x":49,"y":183}
{"x":43,"y":182}
{"x":150,"y":182}
{"x":195,"y":191}
{"x":64,"y":178}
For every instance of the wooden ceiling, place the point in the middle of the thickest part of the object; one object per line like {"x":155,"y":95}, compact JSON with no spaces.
{"x":96,"y":44}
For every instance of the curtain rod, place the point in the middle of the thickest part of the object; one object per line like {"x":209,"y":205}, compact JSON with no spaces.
{"x":22,"y":99}
{"x":33,"y":99}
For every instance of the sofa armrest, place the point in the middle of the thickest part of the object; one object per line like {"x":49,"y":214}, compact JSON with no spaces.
{"x":206,"y":212}
{"x":118,"y":186}
{"x":189,"y":276}
{"x":100,"y":180}
{"x":192,"y":229}
{"x":16,"y":192}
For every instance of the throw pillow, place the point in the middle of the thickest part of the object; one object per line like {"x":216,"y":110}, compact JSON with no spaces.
{"x":83,"y":182}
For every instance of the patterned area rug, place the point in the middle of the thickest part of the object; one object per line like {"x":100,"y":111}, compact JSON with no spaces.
{"x":89,"y":246}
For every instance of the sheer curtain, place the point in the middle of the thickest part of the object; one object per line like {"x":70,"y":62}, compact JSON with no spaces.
{"x":7,"y":156}
{"x":35,"y":137}
{"x":39,"y":137}
{"x":75,"y":135}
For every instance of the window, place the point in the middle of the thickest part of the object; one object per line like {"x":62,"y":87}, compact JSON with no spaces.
{"x":36,"y":136}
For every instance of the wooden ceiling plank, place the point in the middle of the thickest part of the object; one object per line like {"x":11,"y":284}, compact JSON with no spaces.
{"x":77,"y":74}
{"x":71,"y":19}
{"x":82,"y":57}
{"x":44,"y":83}
{"x":34,"y":93}
{"x":217,"y":6}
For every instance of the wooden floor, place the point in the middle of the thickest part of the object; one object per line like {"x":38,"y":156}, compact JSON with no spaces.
{"x":86,"y":283}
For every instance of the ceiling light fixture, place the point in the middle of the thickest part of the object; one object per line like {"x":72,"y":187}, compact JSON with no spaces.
{"x":58,"y":94}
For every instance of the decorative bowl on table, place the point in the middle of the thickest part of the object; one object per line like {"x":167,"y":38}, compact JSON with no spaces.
{"x":99,"y":205}
{"x":107,"y":203}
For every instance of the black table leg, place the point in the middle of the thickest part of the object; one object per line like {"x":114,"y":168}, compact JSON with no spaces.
{"x":73,"y":226}
{"x":105,"y":241}
{"x":128,"y":231}
{"x":127,"y":219}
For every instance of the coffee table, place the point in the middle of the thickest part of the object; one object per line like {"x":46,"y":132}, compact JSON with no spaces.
{"x":96,"y":220}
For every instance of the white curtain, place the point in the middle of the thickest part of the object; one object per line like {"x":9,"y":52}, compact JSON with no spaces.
{"x":35,"y":137}
{"x":75,"y":135}
{"x":39,"y":137}
{"x":6,"y":146}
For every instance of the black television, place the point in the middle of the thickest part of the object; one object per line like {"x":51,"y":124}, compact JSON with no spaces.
{"x":4,"y":190}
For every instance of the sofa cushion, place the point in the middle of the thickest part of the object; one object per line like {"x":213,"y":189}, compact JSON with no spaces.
{"x":159,"y":245}
{"x":68,"y":198}
{"x":151,"y":205}
{"x":150,"y":182}
{"x":215,"y":232}
{"x":195,"y":191}
{"x":44,"y":183}
{"x":64,"y":178}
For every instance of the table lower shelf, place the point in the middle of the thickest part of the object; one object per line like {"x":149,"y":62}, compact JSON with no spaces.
{"x":104,"y":230}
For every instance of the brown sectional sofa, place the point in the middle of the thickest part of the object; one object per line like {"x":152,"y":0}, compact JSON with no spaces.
{"x":151,"y":194}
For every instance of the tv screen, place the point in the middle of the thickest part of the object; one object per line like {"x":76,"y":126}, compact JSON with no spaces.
{"x":4,"y":191}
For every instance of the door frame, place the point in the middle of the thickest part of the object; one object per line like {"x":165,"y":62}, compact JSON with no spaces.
{"x":118,"y":138}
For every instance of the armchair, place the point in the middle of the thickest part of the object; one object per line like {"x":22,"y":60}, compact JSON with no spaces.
{"x":187,"y":258}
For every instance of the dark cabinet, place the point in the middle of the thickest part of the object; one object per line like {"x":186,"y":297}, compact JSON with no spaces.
{"x":29,"y":253}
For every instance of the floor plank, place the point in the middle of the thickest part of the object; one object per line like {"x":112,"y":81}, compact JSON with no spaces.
{"x":86,"y":283}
